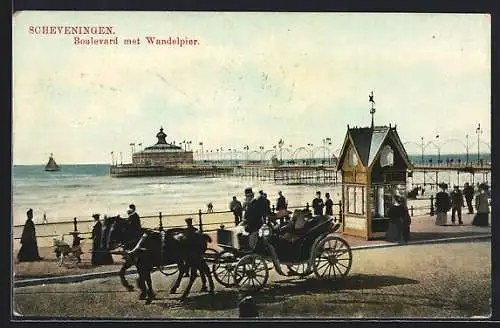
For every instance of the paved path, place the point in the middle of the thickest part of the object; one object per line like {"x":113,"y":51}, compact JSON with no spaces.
{"x":431,"y":280}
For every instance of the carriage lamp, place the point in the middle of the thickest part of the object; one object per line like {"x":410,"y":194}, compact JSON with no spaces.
{"x":264,"y":231}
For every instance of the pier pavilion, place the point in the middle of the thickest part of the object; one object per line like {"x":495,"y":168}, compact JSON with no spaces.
{"x":162,"y":153}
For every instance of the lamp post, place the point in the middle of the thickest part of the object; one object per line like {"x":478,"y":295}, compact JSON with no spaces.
{"x":325,"y":142}
{"x":467,"y":149}
{"x":311,"y":145}
{"x":479,"y":131}
{"x":132,"y":146}
{"x":246,"y":156}
{"x":439,"y":149}
{"x":422,"y":148}
{"x":280,"y":145}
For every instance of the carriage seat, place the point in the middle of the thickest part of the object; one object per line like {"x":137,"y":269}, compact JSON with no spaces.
{"x":292,"y":232}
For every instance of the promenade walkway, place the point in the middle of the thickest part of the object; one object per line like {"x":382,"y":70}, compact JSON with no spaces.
{"x":423,"y":230}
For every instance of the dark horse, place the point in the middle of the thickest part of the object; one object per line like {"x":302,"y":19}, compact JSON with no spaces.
{"x":173,"y":246}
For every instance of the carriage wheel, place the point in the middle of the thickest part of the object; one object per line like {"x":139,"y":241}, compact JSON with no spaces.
{"x":299,"y":269}
{"x":333,"y":257}
{"x":251,"y":272}
{"x":169,"y":270}
{"x":223,"y":268}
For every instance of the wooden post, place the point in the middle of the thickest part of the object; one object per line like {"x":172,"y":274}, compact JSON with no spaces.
{"x":161,"y":222}
{"x":432,"y":205}
{"x":200,"y":221}
{"x":307,"y":206}
{"x":411,"y":210}
{"x":273,"y":209}
{"x":74,"y":225}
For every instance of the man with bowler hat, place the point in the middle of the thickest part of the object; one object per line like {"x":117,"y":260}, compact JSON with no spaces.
{"x":318,"y":204}
{"x":252,"y":218}
{"x":457,"y":202}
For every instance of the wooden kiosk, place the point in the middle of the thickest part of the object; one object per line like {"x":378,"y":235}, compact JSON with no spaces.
{"x":374,"y":167}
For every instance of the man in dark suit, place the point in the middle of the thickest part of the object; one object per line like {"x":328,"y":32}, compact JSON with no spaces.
{"x":135,"y":230}
{"x":281,"y":202}
{"x":189,"y":226}
{"x":252,"y":218}
{"x":134,"y":222}
{"x":469,"y":195}
{"x":457,"y":202}
{"x":318,"y":204}
{"x":100,"y":255}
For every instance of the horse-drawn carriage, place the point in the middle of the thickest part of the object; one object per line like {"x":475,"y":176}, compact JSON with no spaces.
{"x":304,"y":248}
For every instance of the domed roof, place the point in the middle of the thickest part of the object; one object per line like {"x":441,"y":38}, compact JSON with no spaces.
{"x":161,"y":144}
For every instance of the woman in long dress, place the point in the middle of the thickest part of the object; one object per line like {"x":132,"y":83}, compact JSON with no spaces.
{"x":482,"y":207}
{"x":399,"y":221}
{"x":29,"y":246}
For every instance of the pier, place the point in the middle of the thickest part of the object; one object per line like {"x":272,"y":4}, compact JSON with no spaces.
{"x":298,"y":174}
{"x":129,"y":170}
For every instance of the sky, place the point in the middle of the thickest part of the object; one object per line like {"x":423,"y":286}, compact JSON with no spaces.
{"x":253,"y":79}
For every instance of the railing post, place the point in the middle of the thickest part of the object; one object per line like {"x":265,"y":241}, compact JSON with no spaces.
{"x":411,"y":210}
{"x":200,"y":221}
{"x":161,"y":221}
{"x":273,"y":209}
{"x":76,"y":238}
{"x":432,"y":205}
{"x":340,"y":211}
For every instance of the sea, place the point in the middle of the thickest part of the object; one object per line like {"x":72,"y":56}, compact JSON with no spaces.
{"x":80,"y":190}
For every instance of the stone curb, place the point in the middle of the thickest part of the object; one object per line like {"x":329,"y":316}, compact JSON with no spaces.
{"x":420,"y":242}
{"x":97,"y":275}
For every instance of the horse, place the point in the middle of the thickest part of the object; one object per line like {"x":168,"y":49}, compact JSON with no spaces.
{"x":171,"y":246}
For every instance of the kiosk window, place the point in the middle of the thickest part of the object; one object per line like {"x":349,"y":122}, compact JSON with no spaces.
{"x":355,"y":199}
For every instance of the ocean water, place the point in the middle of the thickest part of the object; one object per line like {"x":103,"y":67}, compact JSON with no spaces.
{"x":81,"y":190}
